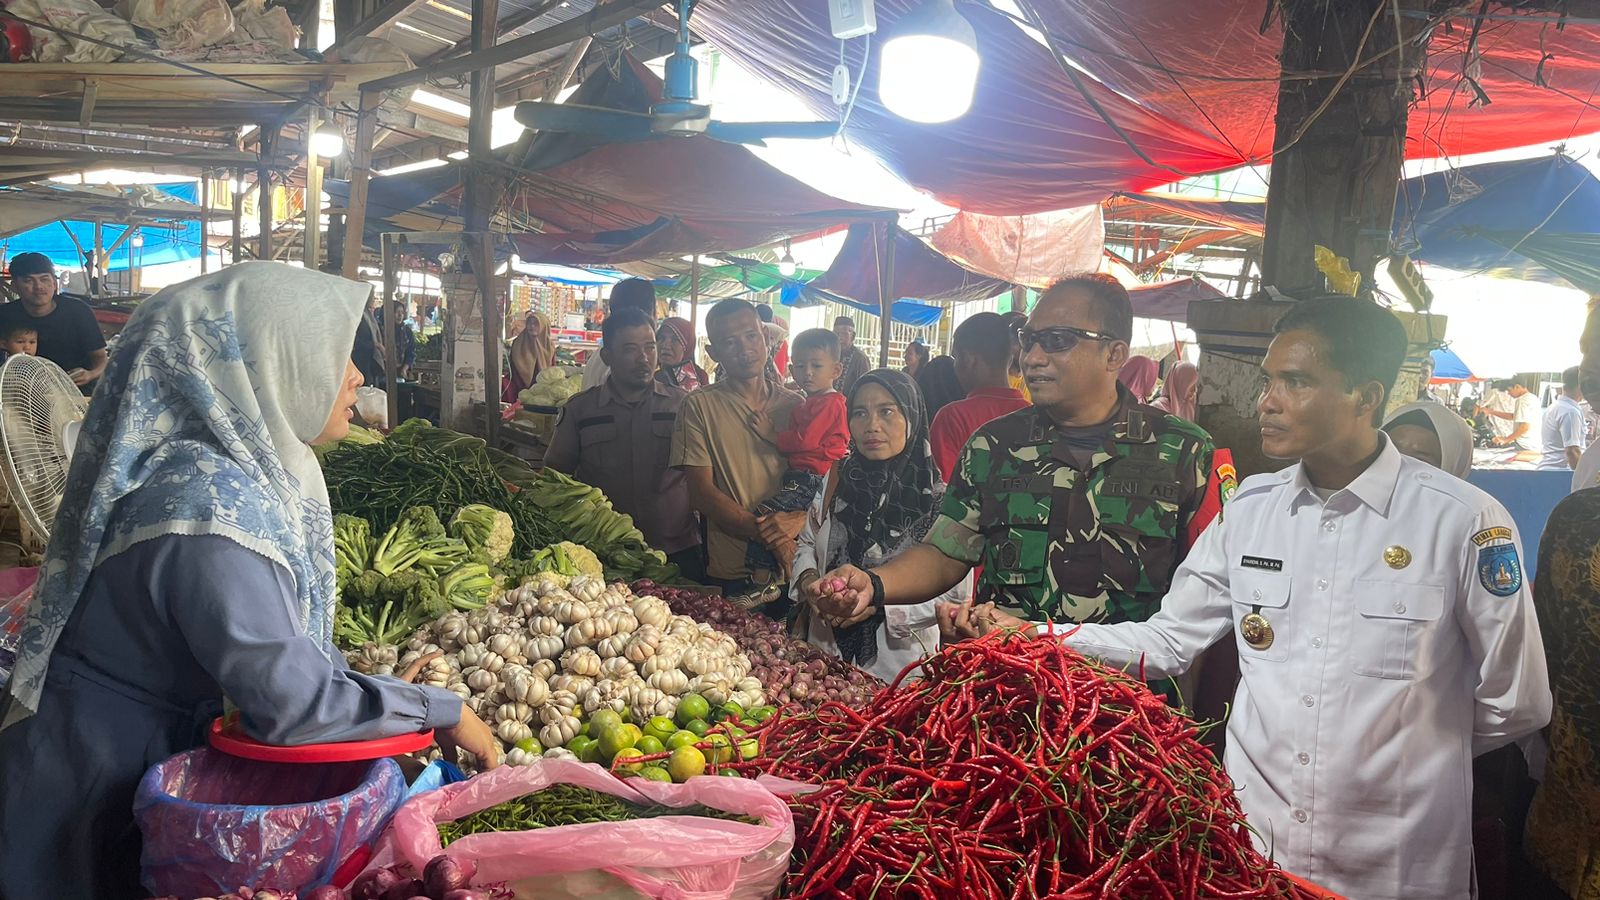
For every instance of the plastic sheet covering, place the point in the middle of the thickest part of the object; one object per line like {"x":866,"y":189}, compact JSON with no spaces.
{"x":76,"y":17}
{"x":212,"y":822}
{"x":183,"y":24}
{"x":16,"y":592}
{"x":1030,"y":250}
{"x":666,"y":857}
{"x":920,"y":272}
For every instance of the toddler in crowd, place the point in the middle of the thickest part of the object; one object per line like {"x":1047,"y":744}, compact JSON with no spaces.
{"x":818,"y":435}
{"x":19,"y":338}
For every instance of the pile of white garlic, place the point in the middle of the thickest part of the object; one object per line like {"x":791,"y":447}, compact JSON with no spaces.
{"x":546,"y":655}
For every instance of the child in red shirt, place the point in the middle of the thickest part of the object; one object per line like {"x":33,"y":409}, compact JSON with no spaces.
{"x":818,"y":435}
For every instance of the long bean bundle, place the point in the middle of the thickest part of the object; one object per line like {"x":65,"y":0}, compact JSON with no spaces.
{"x":566,"y":804}
{"x":1014,"y":768}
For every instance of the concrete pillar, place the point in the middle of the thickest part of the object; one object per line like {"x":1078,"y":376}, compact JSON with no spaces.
{"x":1234,"y":335}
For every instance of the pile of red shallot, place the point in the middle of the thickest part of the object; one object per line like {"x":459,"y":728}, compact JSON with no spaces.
{"x":791,"y":671}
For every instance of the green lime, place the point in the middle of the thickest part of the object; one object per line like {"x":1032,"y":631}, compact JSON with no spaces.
{"x":732,"y":730}
{"x":686,"y":762}
{"x":584,"y":729}
{"x":732,"y":710}
{"x":626,"y":753}
{"x":660,"y":727}
{"x":691,"y":707}
{"x":684,"y":738}
{"x":626,"y":716}
{"x":601,"y":720}
{"x":748,"y":723}
{"x":656,"y":773}
{"x":762,"y":713}
{"x":590,"y":752}
{"x":650,"y":744}
{"x":720,"y":748}
{"x":618,"y":738}
{"x":577,"y":744}
{"x":749,"y":749}
{"x":729,"y":773}
{"x":530,"y":745}
{"x":698,"y":726}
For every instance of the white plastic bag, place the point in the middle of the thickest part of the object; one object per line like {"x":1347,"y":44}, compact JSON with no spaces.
{"x":184,"y":24}
{"x":83,"y":17}
{"x":372,"y":405}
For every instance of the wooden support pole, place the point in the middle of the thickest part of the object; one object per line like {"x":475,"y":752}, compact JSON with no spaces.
{"x":311,"y":246}
{"x":391,"y":326}
{"x":205,"y":222}
{"x":355,"y":215}
{"x":237,"y":187}
{"x":885,"y":292}
{"x":269,"y":140}
{"x":694,"y":310}
{"x":480,"y":202}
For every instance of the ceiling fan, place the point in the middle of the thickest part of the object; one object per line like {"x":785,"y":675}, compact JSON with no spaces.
{"x":676,"y":113}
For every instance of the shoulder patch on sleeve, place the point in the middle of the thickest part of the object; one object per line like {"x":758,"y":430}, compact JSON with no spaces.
{"x":1497,"y":533}
{"x":1499,"y":569}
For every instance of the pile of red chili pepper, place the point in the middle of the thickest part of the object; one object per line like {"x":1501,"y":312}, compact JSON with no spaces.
{"x":1014,"y":768}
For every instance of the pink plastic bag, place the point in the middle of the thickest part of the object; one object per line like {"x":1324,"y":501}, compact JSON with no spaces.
{"x":670,"y":858}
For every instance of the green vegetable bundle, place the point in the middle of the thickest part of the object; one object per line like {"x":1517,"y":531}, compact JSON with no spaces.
{"x":566,"y":804}
{"x":415,"y":573}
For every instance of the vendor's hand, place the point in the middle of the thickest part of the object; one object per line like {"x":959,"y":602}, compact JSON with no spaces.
{"x":409,"y":676}
{"x":80,"y":377}
{"x":836,"y":622}
{"x":471,"y":735}
{"x":776,"y":528}
{"x":844,"y":593}
{"x":965,"y":620}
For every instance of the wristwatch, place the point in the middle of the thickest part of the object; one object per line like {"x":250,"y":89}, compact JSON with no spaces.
{"x":877,"y":588}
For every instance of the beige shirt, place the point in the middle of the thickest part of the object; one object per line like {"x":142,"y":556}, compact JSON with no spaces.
{"x":714,"y":431}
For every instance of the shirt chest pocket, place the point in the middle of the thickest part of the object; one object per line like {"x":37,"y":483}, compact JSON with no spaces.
{"x":1017,"y":532}
{"x":1392,"y":621}
{"x":1261,"y":614}
{"x":595,"y":436}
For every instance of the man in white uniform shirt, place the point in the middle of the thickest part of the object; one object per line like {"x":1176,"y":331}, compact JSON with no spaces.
{"x":1564,"y":427}
{"x":1385,"y":630}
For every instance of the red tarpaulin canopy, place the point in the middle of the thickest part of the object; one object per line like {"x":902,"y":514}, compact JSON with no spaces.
{"x":1192,"y":82}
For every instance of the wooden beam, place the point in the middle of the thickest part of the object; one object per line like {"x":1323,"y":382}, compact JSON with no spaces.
{"x":1155,"y":260}
{"x":512,"y":23}
{"x":237,"y":187}
{"x":355,"y":217}
{"x":311,"y":243}
{"x":269,"y":139}
{"x":91,"y":90}
{"x":390,"y":339}
{"x":381,"y":17}
{"x":480,"y":202}
{"x":596,"y":20}
{"x":885,"y":292}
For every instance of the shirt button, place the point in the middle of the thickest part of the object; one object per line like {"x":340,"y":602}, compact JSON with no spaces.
{"x":1301,"y":815}
{"x":1316,"y":642}
{"x":1305,"y":759}
{"x":1255,"y":595}
{"x":1399,"y":607}
{"x":1308,"y":700}
{"x":1322,"y":584}
{"x":1330,"y":526}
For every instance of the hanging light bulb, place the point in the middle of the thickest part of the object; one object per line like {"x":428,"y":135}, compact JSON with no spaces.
{"x":327,"y":141}
{"x":786,"y":265}
{"x":928,"y":69}
{"x":138,"y":240}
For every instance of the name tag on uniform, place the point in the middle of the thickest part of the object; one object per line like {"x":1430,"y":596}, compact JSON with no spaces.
{"x":1133,"y":477}
{"x":1261,"y":562}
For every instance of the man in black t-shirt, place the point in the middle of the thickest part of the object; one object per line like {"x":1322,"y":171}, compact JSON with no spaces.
{"x":69,"y":336}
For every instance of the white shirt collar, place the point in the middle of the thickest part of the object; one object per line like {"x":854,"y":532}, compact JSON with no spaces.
{"x":1374,"y":487}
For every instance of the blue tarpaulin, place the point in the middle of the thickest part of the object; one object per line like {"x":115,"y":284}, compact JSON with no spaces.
{"x":170,"y":241}
{"x":1536,"y":219}
{"x":1447,"y":366}
{"x":916,"y":313}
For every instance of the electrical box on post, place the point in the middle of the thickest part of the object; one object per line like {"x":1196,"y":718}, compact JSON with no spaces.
{"x":852,"y":18}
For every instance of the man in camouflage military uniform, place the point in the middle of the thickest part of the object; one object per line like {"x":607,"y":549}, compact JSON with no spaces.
{"x":1076,"y":507}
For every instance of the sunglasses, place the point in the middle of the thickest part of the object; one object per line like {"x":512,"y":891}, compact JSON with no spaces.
{"x":1058,"y":340}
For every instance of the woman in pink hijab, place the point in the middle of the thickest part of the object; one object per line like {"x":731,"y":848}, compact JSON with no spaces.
{"x":1139,"y":375}
{"x":675,"y":344}
{"x":1180,"y":395}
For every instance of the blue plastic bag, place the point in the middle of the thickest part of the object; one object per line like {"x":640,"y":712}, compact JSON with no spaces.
{"x":213,"y":822}
{"x":438,"y":774}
